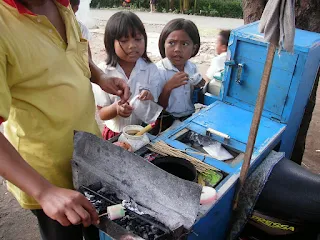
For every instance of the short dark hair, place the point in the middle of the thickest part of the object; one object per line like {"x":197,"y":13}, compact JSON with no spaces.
{"x":122,"y":24}
{"x":225,"y":34}
{"x":75,"y":2}
{"x":179,"y":24}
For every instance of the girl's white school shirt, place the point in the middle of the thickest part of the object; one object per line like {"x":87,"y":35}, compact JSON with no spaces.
{"x":180,"y":100}
{"x":144,"y":76}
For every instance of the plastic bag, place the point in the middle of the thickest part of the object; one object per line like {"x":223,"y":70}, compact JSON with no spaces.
{"x":195,"y":79}
{"x":213,"y":148}
{"x":217,"y":151}
{"x":147,"y":111}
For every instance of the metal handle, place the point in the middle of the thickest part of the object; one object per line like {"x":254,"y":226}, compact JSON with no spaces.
{"x":217,"y":133}
{"x":230,"y":63}
{"x":239,"y":78}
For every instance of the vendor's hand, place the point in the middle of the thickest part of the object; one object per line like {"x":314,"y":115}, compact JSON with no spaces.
{"x":124,"y":110}
{"x":67,"y":207}
{"x":145,"y":95}
{"x":179,"y":79}
{"x":115,"y":86}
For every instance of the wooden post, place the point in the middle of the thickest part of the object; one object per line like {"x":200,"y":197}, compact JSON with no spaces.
{"x":255,"y":121}
{"x":171,"y":5}
{"x":186,"y":5}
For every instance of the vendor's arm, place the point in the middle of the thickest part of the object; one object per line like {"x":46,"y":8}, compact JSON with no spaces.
{"x":115,"y":86}
{"x":65,"y":206}
{"x":179,"y":79}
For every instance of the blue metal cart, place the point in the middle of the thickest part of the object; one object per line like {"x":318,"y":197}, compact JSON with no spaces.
{"x":227,"y":118}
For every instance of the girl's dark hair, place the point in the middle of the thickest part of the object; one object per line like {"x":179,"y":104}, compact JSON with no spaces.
{"x":225,"y":34}
{"x":74,"y":2}
{"x":179,"y":24}
{"x":122,"y":24}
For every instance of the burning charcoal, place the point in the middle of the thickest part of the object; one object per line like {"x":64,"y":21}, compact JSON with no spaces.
{"x":154,"y":229}
{"x":102,"y":191}
{"x":88,"y":195}
{"x":135,"y":221}
{"x":159,"y":232}
{"x":151,"y":236}
{"x":145,"y":236}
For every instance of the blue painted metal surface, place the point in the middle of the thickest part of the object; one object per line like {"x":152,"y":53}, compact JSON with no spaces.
{"x":303,"y":42}
{"x":216,"y":223}
{"x":209,"y":99}
{"x":291,"y":81}
{"x":247,"y":91}
{"x":104,"y":236}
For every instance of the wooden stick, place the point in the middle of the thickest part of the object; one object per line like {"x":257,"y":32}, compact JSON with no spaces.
{"x":145,"y":129}
{"x":101,"y":215}
{"x":255,"y":121}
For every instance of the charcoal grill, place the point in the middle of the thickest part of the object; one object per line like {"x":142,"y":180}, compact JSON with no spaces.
{"x":108,"y":174}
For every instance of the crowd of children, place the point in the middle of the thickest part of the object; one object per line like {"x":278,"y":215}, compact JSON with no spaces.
{"x":170,"y":82}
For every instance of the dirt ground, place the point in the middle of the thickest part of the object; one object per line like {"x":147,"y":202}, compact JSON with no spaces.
{"x":18,"y":224}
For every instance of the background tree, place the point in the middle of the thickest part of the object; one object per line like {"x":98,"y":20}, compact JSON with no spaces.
{"x":307,"y":18}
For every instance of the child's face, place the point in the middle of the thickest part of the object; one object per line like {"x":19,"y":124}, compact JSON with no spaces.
{"x":220,"y":48}
{"x":179,"y":48}
{"x":130,"y":49}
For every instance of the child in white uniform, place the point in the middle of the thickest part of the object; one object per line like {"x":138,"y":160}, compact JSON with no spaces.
{"x":126,"y":43}
{"x":214,"y":73}
{"x":179,"y":41}
{"x":84,"y":30}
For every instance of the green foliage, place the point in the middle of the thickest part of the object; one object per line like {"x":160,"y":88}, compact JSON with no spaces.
{"x":213,"y":8}
{"x":219,"y":8}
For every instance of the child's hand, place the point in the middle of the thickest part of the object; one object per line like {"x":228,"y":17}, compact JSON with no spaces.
{"x":145,"y":95}
{"x":179,"y":79}
{"x":124,"y":110}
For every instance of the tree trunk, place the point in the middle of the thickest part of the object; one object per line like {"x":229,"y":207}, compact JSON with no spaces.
{"x":307,"y":18}
{"x":181,"y":6}
{"x":171,"y":5}
{"x":307,"y":13}
{"x":252,"y":10}
{"x":186,"y":5}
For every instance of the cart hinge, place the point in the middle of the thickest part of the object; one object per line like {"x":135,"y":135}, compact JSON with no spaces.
{"x":275,"y":119}
{"x":228,"y":103}
{"x":286,"y":100}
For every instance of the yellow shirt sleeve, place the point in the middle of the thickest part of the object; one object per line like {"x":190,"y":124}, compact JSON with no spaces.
{"x":5,"y":95}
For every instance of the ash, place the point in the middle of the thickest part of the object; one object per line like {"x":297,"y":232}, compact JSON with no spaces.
{"x":131,"y":205}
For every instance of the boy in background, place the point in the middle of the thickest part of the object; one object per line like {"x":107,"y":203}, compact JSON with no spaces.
{"x":215,"y":71}
{"x":84,"y":30}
